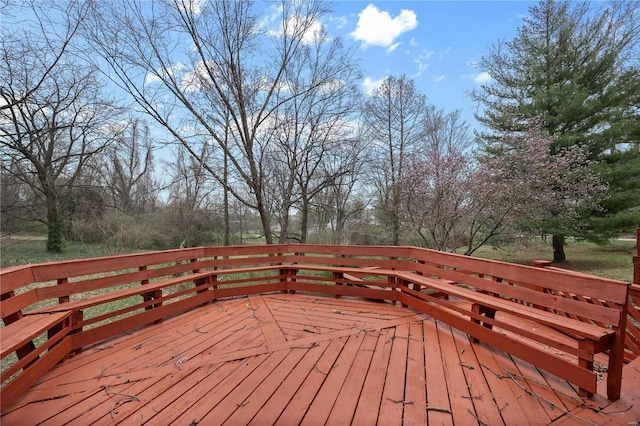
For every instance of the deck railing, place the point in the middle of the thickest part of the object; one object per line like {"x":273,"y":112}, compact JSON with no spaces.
{"x":71,"y":305}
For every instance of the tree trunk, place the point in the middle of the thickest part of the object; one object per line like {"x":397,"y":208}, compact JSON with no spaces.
{"x":227,"y":232}
{"x":304,"y":221}
{"x":55,"y":236}
{"x":558,"y":249}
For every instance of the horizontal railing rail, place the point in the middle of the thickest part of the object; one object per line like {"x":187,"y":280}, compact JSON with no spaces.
{"x":67,"y":306}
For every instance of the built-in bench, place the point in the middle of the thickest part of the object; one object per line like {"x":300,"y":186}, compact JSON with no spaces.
{"x":592,"y":311}
{"x":468,"y":294}
{"x":18,"y":337}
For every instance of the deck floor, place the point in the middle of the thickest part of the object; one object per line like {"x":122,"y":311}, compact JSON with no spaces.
{"x":306,"y":359}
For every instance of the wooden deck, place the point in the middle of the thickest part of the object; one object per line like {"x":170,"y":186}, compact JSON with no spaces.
{"x":306,"y":359}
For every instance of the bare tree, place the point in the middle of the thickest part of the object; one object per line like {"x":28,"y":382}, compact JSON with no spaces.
{"x":190,"y":200}
{"x":313,"y":131}
{"x":127,"y":168}
{"x":209,"y":74}
{"x":56,"y":117}
{"x":395,"y":122}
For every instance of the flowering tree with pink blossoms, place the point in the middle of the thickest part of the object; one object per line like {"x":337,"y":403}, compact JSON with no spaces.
{"x":457,"y":200}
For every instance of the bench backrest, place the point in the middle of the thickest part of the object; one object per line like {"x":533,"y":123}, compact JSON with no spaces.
{"x":585,"y":297}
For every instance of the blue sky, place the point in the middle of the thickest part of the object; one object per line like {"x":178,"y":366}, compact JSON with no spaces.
{"x":436,"y":43}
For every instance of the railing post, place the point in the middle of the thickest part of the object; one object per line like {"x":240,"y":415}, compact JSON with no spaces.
{"x":63,"y":299}
{"x":616,"y":355}
{"x":636,"y":260}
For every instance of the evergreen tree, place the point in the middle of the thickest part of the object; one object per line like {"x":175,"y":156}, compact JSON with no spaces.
{"x":576,"y":68}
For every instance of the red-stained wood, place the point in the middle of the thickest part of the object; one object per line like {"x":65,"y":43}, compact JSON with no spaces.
{"x":461,"y":400}
{"x":214,"y":364}
{"x":297,"y":407}
{"x":349,"y":393}
{"x":324,"y":400}
{"x":438,"y":390}
{"x":393,"y":396}
{"x":415,"y":395}
{"x":577,"y":297}
{"x":479,"y":390}
{"x":278,"y":400}
{"x":369,"y":402}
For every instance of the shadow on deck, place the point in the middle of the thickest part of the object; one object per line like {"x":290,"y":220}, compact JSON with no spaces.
{"x":307,"y":359}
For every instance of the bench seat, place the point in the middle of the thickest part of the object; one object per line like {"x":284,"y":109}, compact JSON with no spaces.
{"x":567,"y":325}
{"x":480,"y":308}
{"x":20,"y":333}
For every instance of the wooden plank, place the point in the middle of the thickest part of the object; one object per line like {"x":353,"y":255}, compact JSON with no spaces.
{"x":351,"y":250}
{"x":502,"y":391}
{"x":239,"y":396}
{"x":188,"y":407}
{"x":106,"y":405}
{"x":261,"y":393}
{"x":14,"y":389}
{"x":171,"y":391}
{"x":349,"y":394}
{"x":336,"y":375}
{"x":14,"y":277}
{"x":600,"y":288}
{"x":297,"y":407}
{"x":437,"y":387}
{"x":592,"y":331}
{"x":268,"y":323}
{"x":528,"y":403}
{"x":460,"y":396}
{"x":582,"y":377}
{"x":17,"y":303}
{"x":363,"y":308}
{"x":15,"y":335}
{"x":89,"y":266}
{"x":343,"y":290}
{"x":371,"y":395}
{"x":480,"y":393}
{"x":139,"y":348}
{"x":535,"y":383}
{"x":278,"y":400}
{"x":415,"y":392}
{"x":393,"y":395}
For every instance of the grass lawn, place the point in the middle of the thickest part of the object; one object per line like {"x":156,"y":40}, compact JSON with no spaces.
{"x":31,"y":248}
{"x":613,"y":260}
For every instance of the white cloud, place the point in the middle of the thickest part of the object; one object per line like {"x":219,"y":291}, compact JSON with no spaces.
{"x":339,"y":21}
{"x":483,"y":77}
{"x":193,"y":6}
{"x":293,"y":24}
{"x":439,"y":78}
{"x":159,"y":75}
{"x":377,"y":28}
{"x":370,"y":85}
{"x":446,"y":52}
{"x":422,"y":61}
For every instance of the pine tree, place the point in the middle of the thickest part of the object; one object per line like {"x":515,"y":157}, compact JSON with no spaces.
{"x":576,"y":68}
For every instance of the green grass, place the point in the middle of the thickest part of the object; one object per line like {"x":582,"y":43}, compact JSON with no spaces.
{"x":31,"y":248}
{"x":613,"y":260}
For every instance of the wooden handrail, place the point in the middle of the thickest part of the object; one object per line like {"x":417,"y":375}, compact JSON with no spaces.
{"x":204,"y":274}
